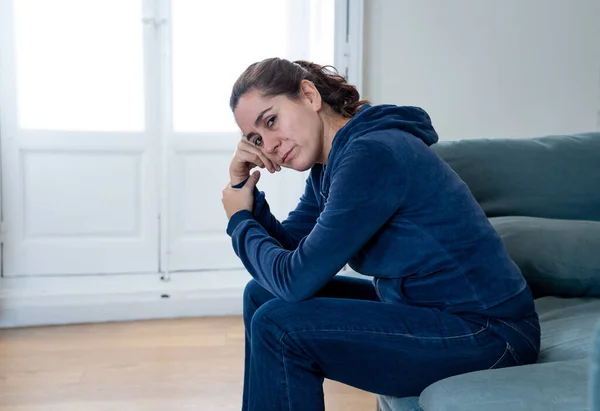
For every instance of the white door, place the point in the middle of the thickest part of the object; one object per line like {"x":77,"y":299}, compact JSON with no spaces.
{"x":79,"y":140}
{"x":210,"y":49}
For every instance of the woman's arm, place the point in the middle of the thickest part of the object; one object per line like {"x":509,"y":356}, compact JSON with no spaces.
{"x":366,"y":190}
{"x":298,"y":223}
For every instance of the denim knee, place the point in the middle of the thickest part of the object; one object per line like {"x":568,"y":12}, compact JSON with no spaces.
{"x":248,"y":300}
{"x":251,"y":288}
{"x":254,"y":297}
{"x":271,"y":315}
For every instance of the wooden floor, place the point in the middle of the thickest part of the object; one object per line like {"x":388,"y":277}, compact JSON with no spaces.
{"x":189,"y":364}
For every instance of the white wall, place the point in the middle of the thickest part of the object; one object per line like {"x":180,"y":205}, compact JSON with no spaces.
{"x":487,"y":68}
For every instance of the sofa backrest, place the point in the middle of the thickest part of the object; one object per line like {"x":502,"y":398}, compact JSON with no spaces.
{"x":552,"y":177}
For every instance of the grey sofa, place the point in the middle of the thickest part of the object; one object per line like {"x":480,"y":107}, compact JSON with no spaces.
{"x":543,"y":197}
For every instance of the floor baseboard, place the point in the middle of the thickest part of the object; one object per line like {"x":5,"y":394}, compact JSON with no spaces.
{"x":26,"y":302}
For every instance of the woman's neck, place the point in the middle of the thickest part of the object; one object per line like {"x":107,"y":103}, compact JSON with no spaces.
{"x":331,"y":125}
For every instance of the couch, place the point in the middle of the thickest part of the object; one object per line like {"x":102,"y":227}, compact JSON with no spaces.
{"x":543,"y":197}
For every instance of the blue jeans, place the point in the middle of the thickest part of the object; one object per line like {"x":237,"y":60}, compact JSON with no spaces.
{"x":345,"y":333}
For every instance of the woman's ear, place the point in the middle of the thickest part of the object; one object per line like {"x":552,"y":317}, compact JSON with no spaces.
{"x":309,"y":92}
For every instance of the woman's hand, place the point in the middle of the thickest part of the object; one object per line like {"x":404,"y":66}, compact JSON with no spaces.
{"x":246,"y":157}
{"x":236,"y":199}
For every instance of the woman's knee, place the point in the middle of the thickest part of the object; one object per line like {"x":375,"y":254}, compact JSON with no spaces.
{"x":279,"y":321}
{"x":254,"y":297}
{"x":272,"y":316}
{"x":285,"y":316}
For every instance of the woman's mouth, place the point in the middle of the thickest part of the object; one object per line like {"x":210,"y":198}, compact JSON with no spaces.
{"x":286,"y":157}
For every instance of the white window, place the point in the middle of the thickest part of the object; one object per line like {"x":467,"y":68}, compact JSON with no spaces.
{"x":116,"y":129}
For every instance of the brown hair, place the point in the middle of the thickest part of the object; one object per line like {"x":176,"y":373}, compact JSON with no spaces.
{"x":277,"y":76}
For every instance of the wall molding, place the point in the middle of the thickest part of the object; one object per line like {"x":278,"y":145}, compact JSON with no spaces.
{"x":349,"y":24}
{"x":37,"y":301}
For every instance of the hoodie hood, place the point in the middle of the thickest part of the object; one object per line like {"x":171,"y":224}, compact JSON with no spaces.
{"x":412,"y":120}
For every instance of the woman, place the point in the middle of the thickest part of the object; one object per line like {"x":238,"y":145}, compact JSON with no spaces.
{"x":445,"y":298}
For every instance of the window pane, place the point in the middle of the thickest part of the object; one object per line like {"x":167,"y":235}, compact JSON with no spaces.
{"x":80,"y":64}
{"x":212,"y":44}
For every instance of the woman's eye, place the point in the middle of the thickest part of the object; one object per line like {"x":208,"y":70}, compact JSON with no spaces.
{"x":271,"y":121}
{"x":258,"y":141}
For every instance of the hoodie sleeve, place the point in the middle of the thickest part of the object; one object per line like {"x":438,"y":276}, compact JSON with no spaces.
{"x":362,"y":198}
{"x":289,"y":232}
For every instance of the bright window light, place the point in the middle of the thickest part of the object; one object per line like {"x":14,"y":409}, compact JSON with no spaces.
{"x":80,"y":64}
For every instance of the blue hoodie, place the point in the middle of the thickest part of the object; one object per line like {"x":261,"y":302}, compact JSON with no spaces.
{"x":390,"y":207}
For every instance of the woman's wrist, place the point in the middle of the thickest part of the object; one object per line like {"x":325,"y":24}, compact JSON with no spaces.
{"x":237,"y":180}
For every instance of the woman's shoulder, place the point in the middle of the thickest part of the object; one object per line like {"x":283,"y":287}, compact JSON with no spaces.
{"x":392,"y":140}
{"x":396,"y":148}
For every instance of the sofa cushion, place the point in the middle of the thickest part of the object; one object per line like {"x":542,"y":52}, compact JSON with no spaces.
{"x":388,"y":403}
{"x":557,"y":386}
{"x":557,"y":382}
{"x":556,"y":257}
{"x":553,"y":176}
{"x":594,"y":386}
{"x":568,"y":326}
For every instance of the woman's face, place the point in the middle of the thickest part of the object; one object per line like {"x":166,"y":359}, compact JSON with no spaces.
{"x":289,"y":132}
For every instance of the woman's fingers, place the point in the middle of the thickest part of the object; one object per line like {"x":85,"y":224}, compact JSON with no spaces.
{"x":251,"y":158}
{"x":257,"y":156}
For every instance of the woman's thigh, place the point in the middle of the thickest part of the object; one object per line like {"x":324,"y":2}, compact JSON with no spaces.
{"x":391,"y":349}
{"x":339,"y":287}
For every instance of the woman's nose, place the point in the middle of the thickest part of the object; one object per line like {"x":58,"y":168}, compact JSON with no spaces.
{"x":271,"y":146}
